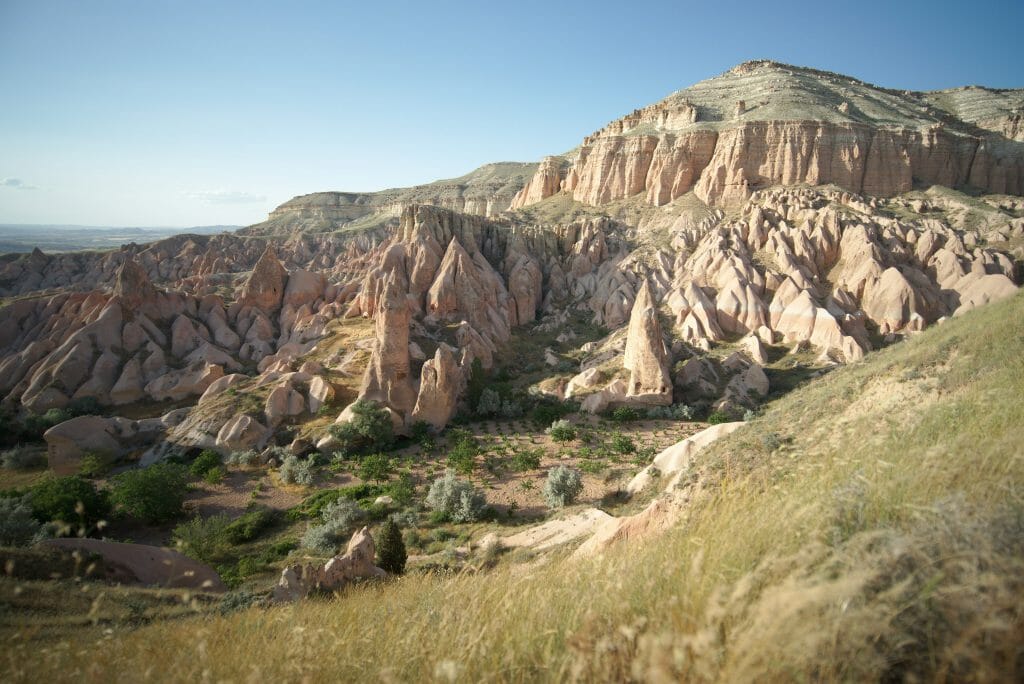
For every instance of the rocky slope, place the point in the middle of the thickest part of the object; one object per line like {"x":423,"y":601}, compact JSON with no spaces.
{"x":486,"y":191}
{"x":819,"y":251}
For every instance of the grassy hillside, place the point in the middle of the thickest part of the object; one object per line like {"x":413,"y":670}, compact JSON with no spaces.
{"x":868,"y":526}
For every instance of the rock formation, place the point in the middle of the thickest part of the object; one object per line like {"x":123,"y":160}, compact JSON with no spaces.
{"x":297,"y":581}
{"x":645,"y":357}
{"x":387,"y":379}
{"x":148,"y":565}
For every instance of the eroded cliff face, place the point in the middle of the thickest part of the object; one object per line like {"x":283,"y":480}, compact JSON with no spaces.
{"x":765,"y":124}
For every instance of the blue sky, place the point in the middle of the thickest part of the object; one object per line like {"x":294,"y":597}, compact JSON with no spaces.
{"x":187,"y":113}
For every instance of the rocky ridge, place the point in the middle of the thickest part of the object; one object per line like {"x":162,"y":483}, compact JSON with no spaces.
{"x":692,"y":298}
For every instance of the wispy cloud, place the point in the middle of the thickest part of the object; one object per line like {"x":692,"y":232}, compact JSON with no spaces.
{"x":225,"y":196}
{"x":16,"y":184}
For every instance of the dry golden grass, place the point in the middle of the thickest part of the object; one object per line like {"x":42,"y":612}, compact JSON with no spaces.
{"x":833,"y":539}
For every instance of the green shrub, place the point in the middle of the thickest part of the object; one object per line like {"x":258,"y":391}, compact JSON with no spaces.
{"x":476,"y":383}
{"x":214,"y":475}
{"x":22,"y":458}
{"x":391,"y":555}
{"x":455,"y":499}
{"x":623,"y":444}
{"x":719,"y":417}
{"x":294,"y":470}
{"x":561,"y":431}
{"x":34,"y":425}
{"x":369,"y":430}
{"x":245,"y":459}
{"x":489,"y":404}
{"x":247,"y":527}
{"x":562,"y":486}
{"x":673,"y":412}
{"x":70,"y":500}
{"x":84,"y":406}
{"x":376,"y":467}
{"x":462,"y":456}
{"x":153,"y":494}
{"x":204,"y":539}
{"x":17,"y":526}
{"x":420,"y":430}
{"x":96,"y":464}
{"x":547,"y":411}
{"x":205,"y":462}
{"x":402,"y":490}
{"x":526,"y":459}
{"x":625,"y":414}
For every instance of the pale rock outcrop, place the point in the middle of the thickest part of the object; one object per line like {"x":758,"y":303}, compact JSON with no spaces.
{"x":753,"y":347}
{"x":984,"y":290}
{"x":132,"y":286}
{"x":240,"y":433}
{"x":221,"y":385}
{"x":320,"y":392}
{"x":304,"y":287}
{"x":467,"y":287}
{"x":583,"y":382}
{"x":129,"y":385}
{"x":663,"y":512}
{"x":178,"y":384}
{"x":283,"y":402}
{"x":672,"y":461}
{"x":645,"y":357}
{"x":265,"y":286}
{"x":297,"y":581}
{"x":524,"y":286}
{"x":67,"y":442}
{"x":441,"y":383}
{"x":613,"y":393}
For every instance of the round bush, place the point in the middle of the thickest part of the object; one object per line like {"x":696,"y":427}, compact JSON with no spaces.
{"x":293,"y":470}
{"x":69,"y":500}
{"x":153,"y":494}
{"x":204,"y":463}
{"x":562,"y":486}
{"x":455,"y":499}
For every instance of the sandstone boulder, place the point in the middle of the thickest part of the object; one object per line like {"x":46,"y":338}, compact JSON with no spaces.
{"x":297,"y":581}
{"x":149,"y":565}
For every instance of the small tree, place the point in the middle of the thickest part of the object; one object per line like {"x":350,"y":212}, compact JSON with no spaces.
{"x":562,"y":431}
{"x":369,"y":430}
{"x":391,"y":554}
{"x":562,"y":486}
{"x":153,"y":494}
{"x":376,"y":467}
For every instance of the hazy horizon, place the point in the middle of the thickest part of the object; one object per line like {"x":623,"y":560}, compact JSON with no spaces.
{"x":183,"y":114}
